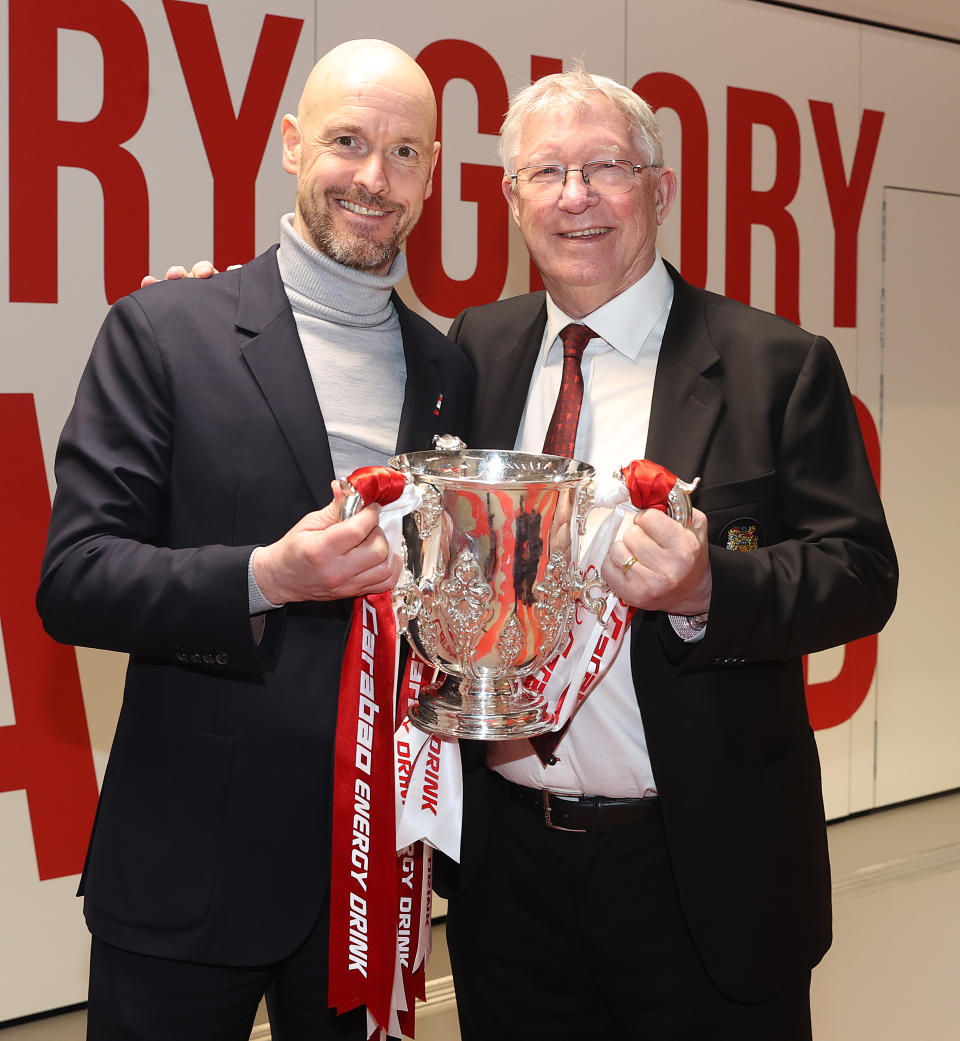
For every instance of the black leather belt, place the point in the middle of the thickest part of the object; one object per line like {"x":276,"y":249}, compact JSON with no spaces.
{"x":581,"y":812}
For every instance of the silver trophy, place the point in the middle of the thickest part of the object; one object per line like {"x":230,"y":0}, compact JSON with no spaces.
{"x":490,"y":581}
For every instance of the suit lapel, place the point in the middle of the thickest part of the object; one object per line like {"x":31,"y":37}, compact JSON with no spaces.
{"x":685,"y":404}
{"x":504,"y":379}
{"x":271,"y":348}
{"x":423,"y":385}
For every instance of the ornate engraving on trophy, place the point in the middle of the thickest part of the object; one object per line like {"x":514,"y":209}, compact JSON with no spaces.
{"x":509,"y":647}
{"x":585,"y":499}
{"x":554,"y":606}
{"x":428,"y":512}
{"x":463,"y":602}
{"x":428,"y":634}
{"x":407,"y":599}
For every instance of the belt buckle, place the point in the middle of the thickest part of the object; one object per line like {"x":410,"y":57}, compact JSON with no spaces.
{"x":547,"y":819}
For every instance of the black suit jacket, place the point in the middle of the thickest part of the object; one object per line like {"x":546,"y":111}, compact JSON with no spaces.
{"x":196,"y":435}
{"x":760,"y":410}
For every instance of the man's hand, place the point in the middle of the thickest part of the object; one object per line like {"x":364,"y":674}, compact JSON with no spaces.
{"x":202,"y":269}
{"x":672,"y":568}
{"x":321,"y":558}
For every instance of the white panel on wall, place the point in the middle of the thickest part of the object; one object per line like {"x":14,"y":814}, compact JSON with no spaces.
{"x":45,"y":943}
{"x":940,"y":17}
{"x":918,"y":737}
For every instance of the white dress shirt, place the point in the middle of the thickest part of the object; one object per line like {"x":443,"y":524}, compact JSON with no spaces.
{"x":605,"y":751}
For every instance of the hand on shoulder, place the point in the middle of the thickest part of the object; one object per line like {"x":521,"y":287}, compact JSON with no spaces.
{"x":202,"y":269}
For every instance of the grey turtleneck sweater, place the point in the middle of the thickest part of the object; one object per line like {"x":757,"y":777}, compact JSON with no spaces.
{"x":351,"y":339}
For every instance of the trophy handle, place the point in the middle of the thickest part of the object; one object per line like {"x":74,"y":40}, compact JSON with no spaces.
{"x":679,"y":506}
{"x":352,"y":501}
{"x":594,"y":602}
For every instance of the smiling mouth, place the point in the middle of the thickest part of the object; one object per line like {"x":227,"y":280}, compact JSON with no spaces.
{"x":365,"y":211}
{"x":585,"y":233}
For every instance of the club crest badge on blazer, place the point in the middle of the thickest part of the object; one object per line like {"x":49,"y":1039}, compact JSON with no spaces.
{"x":742,"y":535}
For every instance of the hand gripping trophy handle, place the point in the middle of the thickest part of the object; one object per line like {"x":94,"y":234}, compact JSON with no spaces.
{"x":592,"y":592}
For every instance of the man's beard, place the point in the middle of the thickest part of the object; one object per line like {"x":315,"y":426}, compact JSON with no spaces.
{"x":351,"y":248}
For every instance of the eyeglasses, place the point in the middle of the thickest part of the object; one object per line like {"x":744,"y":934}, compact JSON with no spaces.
{"x":603,"y":177}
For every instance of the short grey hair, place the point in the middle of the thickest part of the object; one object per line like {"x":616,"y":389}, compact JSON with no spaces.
{"x":580,"y":89}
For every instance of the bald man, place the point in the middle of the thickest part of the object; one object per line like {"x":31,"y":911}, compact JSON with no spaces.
{"x":193,"y":529}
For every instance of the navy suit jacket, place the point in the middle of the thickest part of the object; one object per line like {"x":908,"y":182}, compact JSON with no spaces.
{"x":760,"y":411}
{"x":196,"y":436}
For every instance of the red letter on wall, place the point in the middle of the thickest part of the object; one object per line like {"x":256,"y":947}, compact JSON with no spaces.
{"x":746,"y":207}
{"x":846,"y":199}
{"x":444,"y":61}
{"x":47,"y":750}
{"x":666,"y":90}
{"x":835,"y":701}
{"x":234,"y":143}
{"x":40,"y":144}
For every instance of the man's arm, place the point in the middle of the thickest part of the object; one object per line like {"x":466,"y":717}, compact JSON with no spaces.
{"x":828,"y":573}
{"x":113,"y":575}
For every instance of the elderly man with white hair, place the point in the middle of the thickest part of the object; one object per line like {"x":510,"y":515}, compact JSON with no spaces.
{"x":662,"y":871}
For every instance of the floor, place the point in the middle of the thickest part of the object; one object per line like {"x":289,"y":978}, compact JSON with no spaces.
{"x":893,"y":971}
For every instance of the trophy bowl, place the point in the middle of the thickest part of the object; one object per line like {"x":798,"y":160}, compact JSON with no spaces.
{"x":490,"y":582}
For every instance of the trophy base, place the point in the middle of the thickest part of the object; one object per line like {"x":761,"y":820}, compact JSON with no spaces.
{"x":458,"y":708}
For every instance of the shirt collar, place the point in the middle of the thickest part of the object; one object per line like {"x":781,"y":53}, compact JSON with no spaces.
{"x":626,"y":321}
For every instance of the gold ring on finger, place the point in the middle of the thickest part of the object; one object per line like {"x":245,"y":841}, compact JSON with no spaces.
{"x":627,"y":564}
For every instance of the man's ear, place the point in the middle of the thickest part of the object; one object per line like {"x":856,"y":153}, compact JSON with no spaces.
{"x":428,"y":190}
{"x":506,"y":186}
{"x":666,"y":193}
{"x":290,"y":132}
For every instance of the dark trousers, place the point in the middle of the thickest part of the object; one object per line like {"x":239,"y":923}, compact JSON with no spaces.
{"x":565,"y":936}
{"x":136,"y":997}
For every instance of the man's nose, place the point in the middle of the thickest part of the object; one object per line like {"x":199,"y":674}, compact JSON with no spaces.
{"x":372,"y":174}
{"x":576,"y":195}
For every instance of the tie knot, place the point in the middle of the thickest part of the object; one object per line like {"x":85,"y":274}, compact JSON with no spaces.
{"x":575,"y":337}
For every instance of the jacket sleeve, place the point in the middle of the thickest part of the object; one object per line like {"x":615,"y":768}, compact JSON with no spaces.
{"x":826,"y":573}
{"x":110,"y":576}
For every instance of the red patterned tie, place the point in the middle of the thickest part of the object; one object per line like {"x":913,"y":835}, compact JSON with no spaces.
{"x":562,"y":431}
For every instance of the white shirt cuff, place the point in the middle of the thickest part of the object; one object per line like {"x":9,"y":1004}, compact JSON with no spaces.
{"x":689,"y":628}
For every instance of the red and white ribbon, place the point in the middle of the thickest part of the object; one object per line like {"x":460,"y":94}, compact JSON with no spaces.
{"x":366,"y":874}
{"x":363,"y":868}
{"x":381,"y":870}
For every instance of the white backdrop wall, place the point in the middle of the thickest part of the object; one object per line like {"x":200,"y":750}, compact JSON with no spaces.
{"x":820,"y":177}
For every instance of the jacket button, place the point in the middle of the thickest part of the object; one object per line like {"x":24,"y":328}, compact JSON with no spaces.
{"x":222,"y":658}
